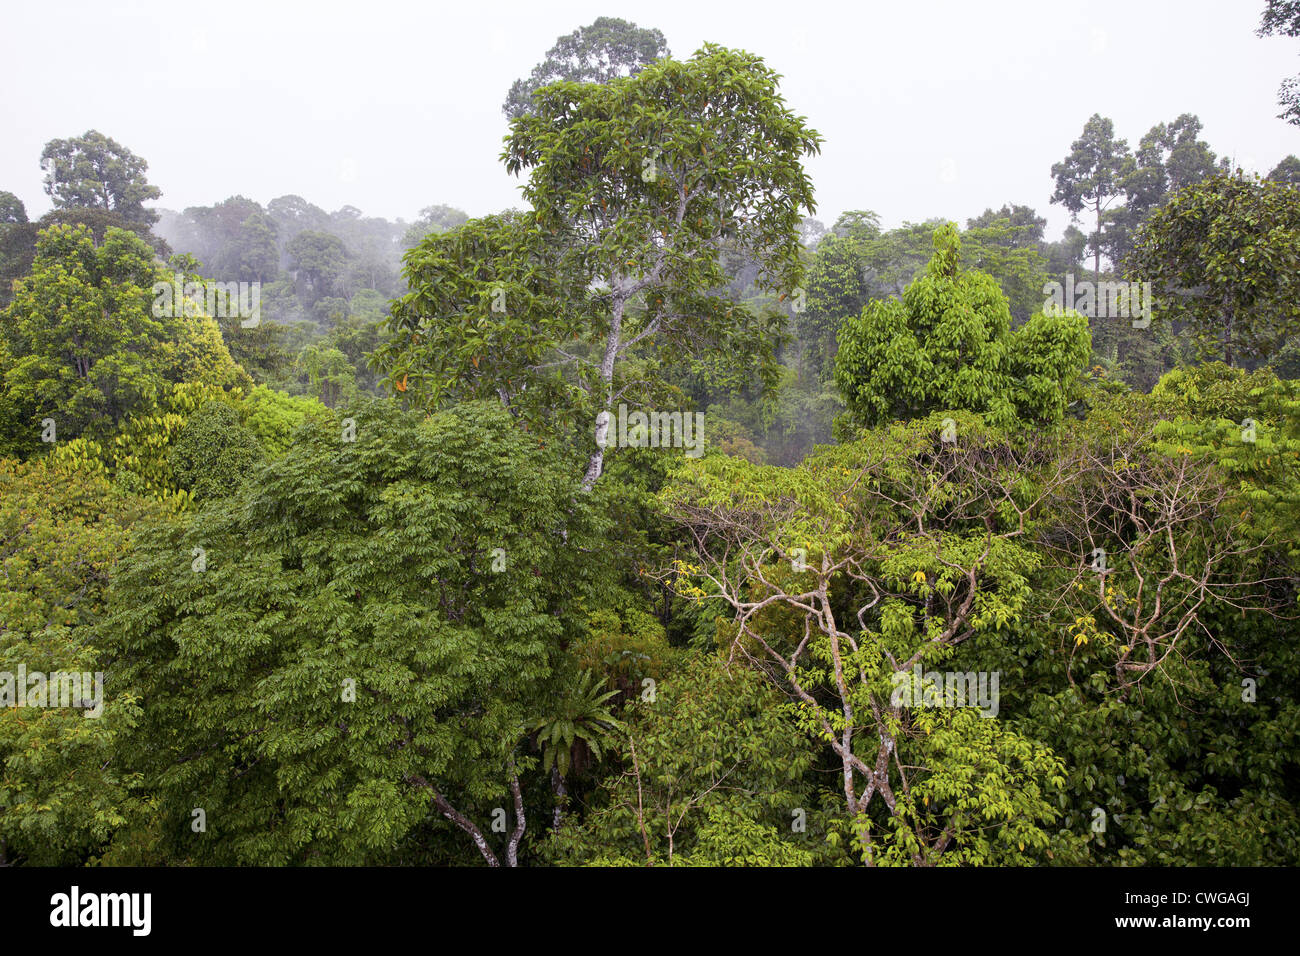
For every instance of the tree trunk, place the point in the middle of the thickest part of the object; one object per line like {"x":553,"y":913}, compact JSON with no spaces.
{"x":480,"y":839}
{"x":1112,"y":350}
{"x":1096,"y":250}
{"x":1227,"y":337}
{"x":596,"y":463}
{"x":557,"y":786}
{"x":512,"y":847}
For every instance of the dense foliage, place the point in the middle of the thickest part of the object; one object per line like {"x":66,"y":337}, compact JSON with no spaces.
{"x":658,"y":523}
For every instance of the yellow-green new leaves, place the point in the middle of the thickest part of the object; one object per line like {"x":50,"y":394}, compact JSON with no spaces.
{"x":846,"y":572}
{"x":81,"y":345}
{"x":63,"y":531}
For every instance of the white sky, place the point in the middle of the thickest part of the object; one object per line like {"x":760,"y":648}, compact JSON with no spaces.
{"x":933,"y":108}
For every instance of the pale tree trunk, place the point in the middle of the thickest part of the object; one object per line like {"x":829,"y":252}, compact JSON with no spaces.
{"x":1096,"y":249}
{"x":1112,"y":350}
{"x":1227,"y":337}
{"x":596,"y":464}
{"x":622,"y":288}
{"x":465,"y":823}
{"x":512,"y":846}
{"x":557,"y":786}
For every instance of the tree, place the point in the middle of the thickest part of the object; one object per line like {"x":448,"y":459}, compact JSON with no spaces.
{"x":293,"y":215}
{"x":63,"y":531}
{"x":1003,"y":249}
{"x":859,"y":224}
{"x":437,"y":218}
{"x":213,"y":453}
{"x":1223,"y":257}
{"x":490,"y":305}
{"x":1169,"y":158}
{"x":1161,"y":576}
{"x":94,"y":171}
{"x":318,"y":258}
{"x":647,"y":214}
{"x":836,"y":289}
{"x":1159,"y":550}
{"x":891,"y":260}
{"x":948,"y":345}
{"x":1090,"y":177}
{"x":274,"y":417}
{"x":637,"y":185}
{"x":812,"y":232}
{"x":236,"y":239}
{"x":607,"y":49}
{"x":714,"y":774}
{"x":836,"y":284}
{"x":99,"y":221}
{"x":331,"y":377}
{"x":17,"y":244}
{"x":84,"y":343}
{"x":1287,"y":171}
{"x":1282,"y":18}
{"x":865,"y":562}
{"x":11,"y":209}
{"x":358,"y":335}
{"x":1026,"y":225}
{"x":398,"y":603}
{"x":1065,"y":254}
{"x":1116,"y":574}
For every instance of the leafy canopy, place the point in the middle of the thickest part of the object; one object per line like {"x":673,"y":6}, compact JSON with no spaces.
{"x":948,"y":345}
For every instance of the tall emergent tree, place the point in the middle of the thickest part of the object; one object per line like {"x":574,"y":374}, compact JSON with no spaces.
{"x":1090,"y":177}
{"x":93,"y":171}
{"x":1169,"y":158}
{"x":646,"y":178}
{"x":638,"y":185}
{"x":607,"y":49}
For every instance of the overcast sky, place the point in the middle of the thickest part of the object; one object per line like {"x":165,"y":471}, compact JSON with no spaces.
{"x":928,"y":109}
